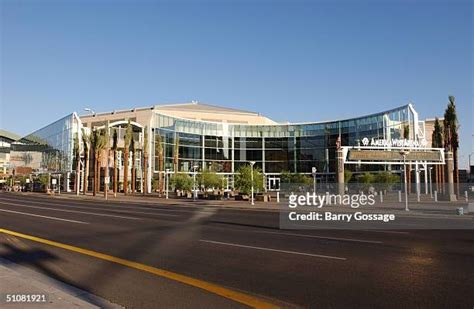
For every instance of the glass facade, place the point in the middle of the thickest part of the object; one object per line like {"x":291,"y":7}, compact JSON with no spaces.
{"x":52,"y":145}
{"x":275,"y":148}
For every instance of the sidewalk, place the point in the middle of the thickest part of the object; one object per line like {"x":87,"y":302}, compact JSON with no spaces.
{"x":429,"y":208}
{"x":17,"y":279}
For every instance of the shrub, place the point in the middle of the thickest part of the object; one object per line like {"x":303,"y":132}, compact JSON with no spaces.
{"x":182,"y":182}
{"x":243,"y":179}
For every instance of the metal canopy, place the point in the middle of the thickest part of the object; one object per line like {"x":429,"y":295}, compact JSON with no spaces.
{"x":392,"y":156}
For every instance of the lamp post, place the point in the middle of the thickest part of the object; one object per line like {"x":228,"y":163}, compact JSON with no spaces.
{"x":470,"y":176}
{"x":195,"y":167}
{"x":431,"y":182}
{"x":252,"y":163}
{"x":404,"y":153}
{"x":167,"y":181}
{"x":314,"y":170}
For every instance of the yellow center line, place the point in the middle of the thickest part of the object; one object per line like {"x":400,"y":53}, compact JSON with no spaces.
{"x":207,"y":286}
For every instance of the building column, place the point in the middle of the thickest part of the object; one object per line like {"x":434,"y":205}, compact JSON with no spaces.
{"x":340,"y":171}
{"x":449,"y":172}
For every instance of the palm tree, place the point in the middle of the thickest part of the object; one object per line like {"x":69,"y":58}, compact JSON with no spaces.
{"x":406,"y":135}
{"x":145,"y":160}
{"x":114,"y":148}
{"x":94,"y":140}
{"x":77,"y":155}
{"x":126,"y":153}
{"x":86,"y":146}
{"x":437,"y":142}
{"x":106,"y":138}
{"x":134,"y":158}
{"x":451,"y":136}
{"x":98,"y":146}
{"x":159,"y":151}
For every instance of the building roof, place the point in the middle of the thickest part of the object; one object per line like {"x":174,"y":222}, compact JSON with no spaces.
{"x":202,"y":107}
{"x":208,"y":112}
{"x":9,"y":135}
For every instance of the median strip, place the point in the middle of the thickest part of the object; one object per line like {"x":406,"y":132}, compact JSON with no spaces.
{"x":239,"y":297}
{"x":273,"y":250}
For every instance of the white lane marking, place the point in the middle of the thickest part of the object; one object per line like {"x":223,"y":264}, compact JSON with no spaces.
{"x":46,"y":217}
{"x":322,"y":237}
{"x":388,"y":232}
{"x":107,"y":207}
{"x":273,"y":250}
{"x":72,"y":211}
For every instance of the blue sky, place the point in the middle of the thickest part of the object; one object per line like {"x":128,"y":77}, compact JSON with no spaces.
{"x":289,"y":60}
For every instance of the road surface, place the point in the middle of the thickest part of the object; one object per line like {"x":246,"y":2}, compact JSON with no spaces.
{"x":147,"y":256}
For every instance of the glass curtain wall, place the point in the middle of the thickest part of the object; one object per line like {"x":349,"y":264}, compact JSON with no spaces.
{"x":53,"y":144}
{"x":275,"y":148}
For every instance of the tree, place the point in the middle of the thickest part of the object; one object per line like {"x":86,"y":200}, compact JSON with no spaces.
{"x":295,"y":178}
{"x":451,"y":136}
{"x":77,"y":156}
{"x":366,"y":180}
{"x":98,"y":144}
{"x":86,"y":147}
{"x":209,"y":179}
{"x":437,"y":142}
{"x":115,"y":150}
{"x":159,"y":153}
{"x":386,"y":180}
{"x":44,"y":181}
{"x":181,"y":182}
{"x":243,"y":179}
{"x":126,"y":152}
{"x":134,"y":159}
{"x":106,"y":147}
{"x":145,"y":160}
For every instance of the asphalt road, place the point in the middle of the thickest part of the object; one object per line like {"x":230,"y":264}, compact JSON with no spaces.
{"x":240,"y":250}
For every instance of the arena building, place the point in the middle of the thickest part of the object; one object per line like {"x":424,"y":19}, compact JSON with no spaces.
{"x":224,"y":139}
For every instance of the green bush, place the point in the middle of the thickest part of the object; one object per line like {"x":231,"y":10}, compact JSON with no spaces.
{"x":386,"y":180}
{"x":210,"y":180}
{"x":44,"y":181}
{"x":347,"y":176}
{"x":287,"y":177}
{"x":182,"y":182}
{"x":243,"y":179}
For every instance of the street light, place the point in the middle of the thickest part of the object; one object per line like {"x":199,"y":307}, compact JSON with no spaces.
{"x":195,"y":167}
{"x":252,"y":163}
{"x":404,"y":153}
{"x":431,"y":182}
{"x":90,"y":110}
{"x":167,"y":182}
{"x":470,"y":176}
{"x":314,"y":170}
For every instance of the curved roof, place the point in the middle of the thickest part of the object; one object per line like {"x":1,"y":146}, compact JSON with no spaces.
{"x":202,"y":107}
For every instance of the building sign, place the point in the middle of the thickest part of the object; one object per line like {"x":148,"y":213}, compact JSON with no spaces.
{"x":403,"y":143}
{"x":377,"y":155}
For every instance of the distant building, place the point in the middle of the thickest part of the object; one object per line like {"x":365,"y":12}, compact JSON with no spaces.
{"x":6,"y":140}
